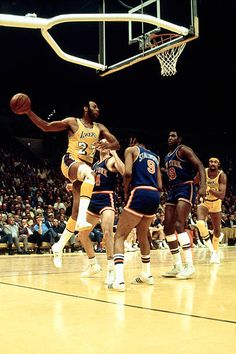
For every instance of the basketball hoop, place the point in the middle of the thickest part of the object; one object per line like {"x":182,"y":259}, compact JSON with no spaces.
{"x":167,"y":58}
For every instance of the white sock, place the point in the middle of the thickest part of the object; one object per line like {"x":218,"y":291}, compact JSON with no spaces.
{"x":66,"y":235}
{"x":92,"y":261}
{"x":119,"y":269}
{"x":209,"y":245}
{"x":184,"y":241}
{"x":83,"y":207}
{"x":110,"y":264}
{"x":177,"y":259}
{"x":188,"y":256}
{"x":146,"y":269}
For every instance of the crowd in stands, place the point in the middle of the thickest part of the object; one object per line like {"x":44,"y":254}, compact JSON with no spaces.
{"x":33,"y":191}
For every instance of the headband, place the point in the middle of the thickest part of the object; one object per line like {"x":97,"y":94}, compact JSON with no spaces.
{"x":214,"y":158}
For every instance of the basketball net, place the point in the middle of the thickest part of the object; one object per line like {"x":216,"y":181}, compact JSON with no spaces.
{"x":168,"y":60}
{"x":169,"y":57}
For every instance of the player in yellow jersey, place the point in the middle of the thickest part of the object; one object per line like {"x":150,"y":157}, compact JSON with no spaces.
{"x":84,"y":135}
{"x":216,"y":181}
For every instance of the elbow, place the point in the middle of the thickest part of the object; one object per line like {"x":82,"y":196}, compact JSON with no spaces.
{"x":46,"y":128}
{"x":117,"y":146}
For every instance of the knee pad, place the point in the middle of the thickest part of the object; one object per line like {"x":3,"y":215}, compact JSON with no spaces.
{"x":171,"y":238}
{"x":184,"y":239}
{"x":89,"y":179}
{"x":202,"y":228}
{"x":84,"y":171}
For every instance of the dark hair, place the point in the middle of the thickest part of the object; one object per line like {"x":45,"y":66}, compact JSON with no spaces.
{"x":177,"y":131}
{"x":140,"y":138}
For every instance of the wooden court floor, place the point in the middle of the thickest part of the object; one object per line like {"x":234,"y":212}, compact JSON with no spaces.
{"x":49,"y":311}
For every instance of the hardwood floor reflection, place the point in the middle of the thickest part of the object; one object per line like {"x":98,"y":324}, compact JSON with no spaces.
{"x":48,"y":310}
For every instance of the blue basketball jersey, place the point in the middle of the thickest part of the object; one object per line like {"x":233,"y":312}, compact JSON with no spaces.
{"x":179,"y":171}
{"x":145,"y":167}
{"x":105,"y":180}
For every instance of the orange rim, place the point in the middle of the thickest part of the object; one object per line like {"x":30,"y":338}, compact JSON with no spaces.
{"x":158,"y":39}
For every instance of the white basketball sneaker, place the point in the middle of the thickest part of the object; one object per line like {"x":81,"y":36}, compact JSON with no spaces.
{"x":91,"y":270}
{"x":143,"y":280}
{"x":116,"y":286}
{"x":187,"y":272}
{"x":110,"y":277}
{"x":215,"y":258}
{"x":173,"y":272}
{"x":57,"y":255}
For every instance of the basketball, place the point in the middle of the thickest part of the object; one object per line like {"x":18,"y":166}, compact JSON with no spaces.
{"x":20,"y":103}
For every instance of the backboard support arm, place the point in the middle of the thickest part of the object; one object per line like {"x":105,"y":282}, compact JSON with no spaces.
{"x":34,"y":22}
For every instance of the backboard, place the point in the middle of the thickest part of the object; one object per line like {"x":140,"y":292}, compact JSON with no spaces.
{"x":121,"y":31}
{"x":177,"y":17}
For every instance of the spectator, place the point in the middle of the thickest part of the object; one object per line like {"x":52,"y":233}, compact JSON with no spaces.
{"x":40,"y":227}
{"x":49,"y":220}
{"x":58,"y":228}
{"x":33,"y":237}
{"x":5,"y":238}
{"x":28,"y":210}
{"x":230,"y":222}
{"x":13,"y":229}
{"x":59,"y":205}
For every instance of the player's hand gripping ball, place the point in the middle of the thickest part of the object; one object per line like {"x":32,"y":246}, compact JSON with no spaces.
{"x":20,"y":103}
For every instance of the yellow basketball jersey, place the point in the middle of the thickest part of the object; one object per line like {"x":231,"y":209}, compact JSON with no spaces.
{"x":81,"y":143}
{"x":212,"y":183}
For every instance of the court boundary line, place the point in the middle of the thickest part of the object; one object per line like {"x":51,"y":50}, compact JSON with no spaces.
{"x":117,"y":303}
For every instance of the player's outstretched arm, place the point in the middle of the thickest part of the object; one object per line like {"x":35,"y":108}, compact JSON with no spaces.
{"x":45,"y":126}
{"x":20,"y":104}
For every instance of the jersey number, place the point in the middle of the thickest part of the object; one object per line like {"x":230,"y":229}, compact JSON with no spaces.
{"x":98,"y":180}
{"x":83,"y":147}
{"x":151,"y":166}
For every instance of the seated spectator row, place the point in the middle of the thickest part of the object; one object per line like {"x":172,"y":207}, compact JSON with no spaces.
{"x":14,"y":230}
